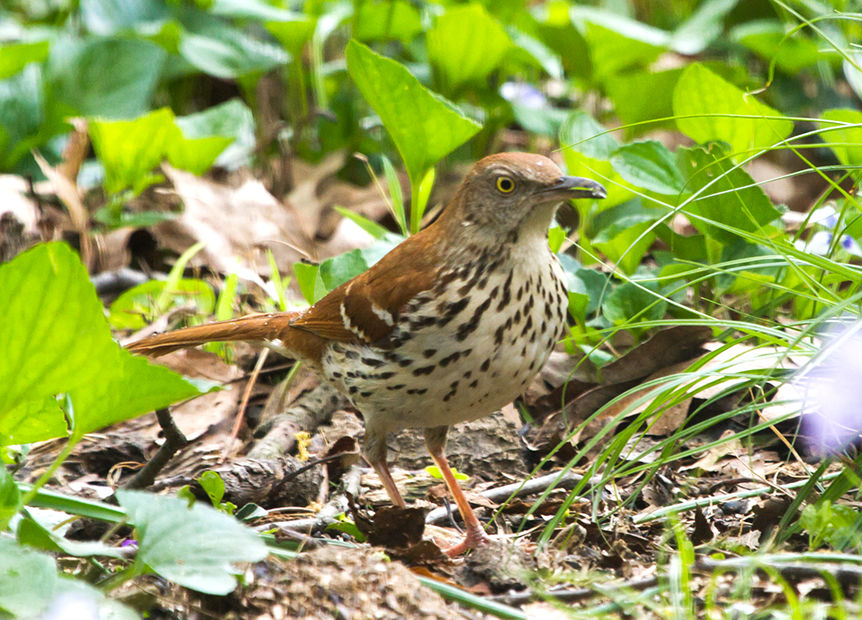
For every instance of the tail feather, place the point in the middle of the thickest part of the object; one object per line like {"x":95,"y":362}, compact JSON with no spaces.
{"x":271,"y":328}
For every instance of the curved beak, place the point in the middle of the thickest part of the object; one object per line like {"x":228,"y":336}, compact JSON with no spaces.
{"x":574,"y":187}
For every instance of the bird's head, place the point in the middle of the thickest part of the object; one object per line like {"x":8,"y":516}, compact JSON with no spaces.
{"x":517,"y":192}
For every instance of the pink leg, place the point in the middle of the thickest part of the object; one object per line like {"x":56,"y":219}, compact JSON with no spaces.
{"x":382,"y":470}
{"x":475,"y":532}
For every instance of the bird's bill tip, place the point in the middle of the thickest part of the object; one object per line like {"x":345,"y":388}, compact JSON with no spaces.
{"x":576,"y":187}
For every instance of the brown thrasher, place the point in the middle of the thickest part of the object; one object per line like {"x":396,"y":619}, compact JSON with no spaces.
{"x":449,"y":326}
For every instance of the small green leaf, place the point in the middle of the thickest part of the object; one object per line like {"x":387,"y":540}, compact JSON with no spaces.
{"x":151,"y":299}
{"x":44,"y":534}
{"x":213,"y":485}
{"x":395,"y":194}
{"x":129,"y":150}
{"x":617,"y":42}
{"x":767,"y":39}
{"x":294,"y":33}
{"x":424,"y":126}
{"x":45,"y":293}
{"x":422,"y":195}
{"x":844,"y":136}
{"x":384,"y":21}
{"x":310,"y":284}
{"x":700,"y":94}
{"x":15,"y":56}
{"x":336,"y":271}
{"x":436,"y":473}
{"x":649,"y":165}
{"x":630,"y":300}
{"x":726,"y":196}
{"x":556,"y":237}
{"x":466,"y":45}
{"x":194,"y":547}
{"x":371,"y":227}
{"x":10,"y":497}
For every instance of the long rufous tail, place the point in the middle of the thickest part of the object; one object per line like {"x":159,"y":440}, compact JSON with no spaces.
{"x":271,"y":328}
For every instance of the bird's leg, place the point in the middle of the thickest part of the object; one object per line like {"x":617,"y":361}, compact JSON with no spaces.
{"x":375,"y":453}
{"x":435,"y":440}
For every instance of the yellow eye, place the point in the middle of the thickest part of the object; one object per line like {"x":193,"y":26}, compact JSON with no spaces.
{"x":505,"y":184}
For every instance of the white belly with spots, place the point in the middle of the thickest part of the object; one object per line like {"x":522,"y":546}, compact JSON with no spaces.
{"x":470,"y":351}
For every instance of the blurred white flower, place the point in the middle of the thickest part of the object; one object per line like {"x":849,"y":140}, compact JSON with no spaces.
{"x":523,"y":94}
{"x":832,"y":412}
{"x":821,"y":241}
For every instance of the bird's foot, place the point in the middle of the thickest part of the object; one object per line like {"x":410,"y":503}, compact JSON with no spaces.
{"x":474,"y":538}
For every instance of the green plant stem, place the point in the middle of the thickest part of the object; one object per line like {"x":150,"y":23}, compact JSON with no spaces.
{"x":46,"y":476}
{"x":415,"y":215}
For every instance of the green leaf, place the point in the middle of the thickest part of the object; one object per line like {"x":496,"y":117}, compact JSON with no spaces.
{"x":49,"y":535}
{"x":111,"y":78}
{"x":28,"y":579}
{"x":336,"y":271}
{"x":252,"y":9}
{"x":588,"y":154}
{"x":699,"y":91}
{"x":192,"y":546}
{"x":628,"y":92}
{"x":130,"y":308}
{"x":384,"y":21}
{"x":424,"y":126}
{"x":766,"y":38}
{"x":226,"y":53}
{"x":15,"y":56}
{"x":649,"y":165}
{"x":617,"y":42}
{"x":10,"y":497}
{"x":465,"y":46}
{"x":844,"y":140}
{"x":46,"y":297}
{"x":395,"y":194}
{"x":310,"y":283}
{"x":231,"y":119}
{"x":213,"y":485}
{"x":22,"y":114}
{"x":372,"y":228}
{"x":293,"y":34}
{"x":109,"y":17}
{"x":732,"y":198}
{"x":129,"y":150}
{"x":621,"y":233}
{"x":702,"y":27}
{"x":629,"y":300}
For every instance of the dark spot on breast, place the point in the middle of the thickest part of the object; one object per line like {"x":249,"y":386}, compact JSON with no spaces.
{"x":385,"y":375}
{"x":429,"y":352}
{"x":424,"y":370}
{"x":336,"y":375}
{"x":417,"y":391}
{"x":423,"y":321}
{"x":405,"y":362}
{"x":451,"y":310}
{"x":465,"y":329}
{"x":485,"y":365}
{"x":353,"y":389}
{"x":498,"y":335}
{"x":517,"y":316}
{"x":494,"y":292}
{"x":365,"y":394}
{"x":507,"y":293}
{"x":450,"y":358}
{"x":399,"y":386}
{"x":370,"y":361}
{"x":527,"y":326}
{"x":351,"y":355}
{"x":468,"y":374}
{"x":549,"y":314}
{"x":474,"y":383}
{"x":520,"y":293}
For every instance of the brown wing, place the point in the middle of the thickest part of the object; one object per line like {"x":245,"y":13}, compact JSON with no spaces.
{"x":366,"y":308}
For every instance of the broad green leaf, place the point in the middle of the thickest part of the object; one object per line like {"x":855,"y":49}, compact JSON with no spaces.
{"x":213,"y":485}
{"x":649,"y":165}
{"x":465,"y":46}
{"x":844,"y":137}
{"x":194,"y":547}
{"x":336,"y":271}
{"x":252,"y":9}
{"x":383,"y":21}
{"x":853,"y":73}
{"x":310,"y":283}
{"x":22,"y":114}
{"x":28,"y":579}
{"x":702,"y":27}
{"x":584,"y":282}
{"x":293,"y":34}
{"x":628,"y":90}
{"x":56,"y":341}
{"x":424,"y":126}
{"x":588,"y":154}
{"x":15,"y":56}
{"x":617,"y":42}
{"x":561,"y":36}
{"x":111,"y":78}
{"x":227,"y":53}
{"x":130,"y":308}
{"x":109,"y":17}
{"x":731,"y":198}
{"x":766,"y":38}
{"x":630,"y":300}
{"x":699,"y":91}
{"x":196,"y":155}
{"x":531,"y":48}
{"x":620,"y":233}
{"x":10,"y":497}
{"x":129,"y":150}
{"x":45,"y":534}
{"x":233,"y":119}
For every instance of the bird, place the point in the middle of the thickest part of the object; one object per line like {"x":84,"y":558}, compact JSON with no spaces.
{"x":449,"y":326}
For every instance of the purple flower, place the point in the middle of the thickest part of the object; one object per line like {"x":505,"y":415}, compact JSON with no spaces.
{"x":832,"y":411}
{"x":523,"y":94}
